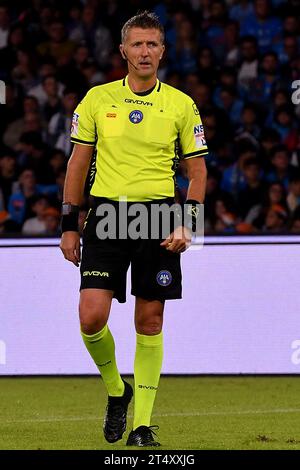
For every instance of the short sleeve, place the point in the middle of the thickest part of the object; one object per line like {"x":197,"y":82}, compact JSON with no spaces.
{"x":83,"y":129}
{"x":192,"y":138}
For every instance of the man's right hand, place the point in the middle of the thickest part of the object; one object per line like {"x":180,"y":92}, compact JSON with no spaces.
{"x":70,"y":246}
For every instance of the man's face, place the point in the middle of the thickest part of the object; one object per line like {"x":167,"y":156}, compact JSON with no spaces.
{"x":57,"y":32}
{"x":261,"y":8}
{"x":249,"y":50}
{"x":144,"y":49}
{"x":7,"y":164}
{"x":269,"y":64}
{"x":281,"y":160}
{"x":27,"y":179}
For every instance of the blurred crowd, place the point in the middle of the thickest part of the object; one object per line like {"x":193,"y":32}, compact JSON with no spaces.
{"x":238,"y":60}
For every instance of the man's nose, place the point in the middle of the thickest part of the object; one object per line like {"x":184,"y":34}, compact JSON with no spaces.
{"x":145,"y":50}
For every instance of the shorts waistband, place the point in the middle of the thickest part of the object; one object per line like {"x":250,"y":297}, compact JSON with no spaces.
{"x":96,"y":201}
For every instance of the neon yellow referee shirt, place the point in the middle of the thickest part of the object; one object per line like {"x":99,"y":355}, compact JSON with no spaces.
{"x":137,"y":138}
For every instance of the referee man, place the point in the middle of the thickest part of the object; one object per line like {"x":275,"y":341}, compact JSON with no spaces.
{"x":133,"y":131}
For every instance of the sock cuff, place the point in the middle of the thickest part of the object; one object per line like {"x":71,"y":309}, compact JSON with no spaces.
{"x":150,"y":340}
{"x":96,"y":336}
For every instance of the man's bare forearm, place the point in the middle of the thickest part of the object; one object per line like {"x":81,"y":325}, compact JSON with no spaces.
{"x":77,"y":170}
{"x":197,"y":175}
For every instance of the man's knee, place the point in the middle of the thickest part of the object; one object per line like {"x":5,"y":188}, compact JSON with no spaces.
{"x":149,"y":328}
{"x":149,"y":317}
{"x":93,"y":313}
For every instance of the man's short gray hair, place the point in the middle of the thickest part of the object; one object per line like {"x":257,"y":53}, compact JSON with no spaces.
{"x":144,"y":20}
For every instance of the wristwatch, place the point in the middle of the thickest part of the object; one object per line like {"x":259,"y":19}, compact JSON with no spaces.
{"x":68,"y":208}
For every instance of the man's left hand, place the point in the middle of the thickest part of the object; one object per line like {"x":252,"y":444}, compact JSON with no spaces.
{"x":178,"y":241}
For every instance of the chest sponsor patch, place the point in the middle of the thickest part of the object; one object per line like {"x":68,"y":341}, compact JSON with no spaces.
{"x":199,"y":136}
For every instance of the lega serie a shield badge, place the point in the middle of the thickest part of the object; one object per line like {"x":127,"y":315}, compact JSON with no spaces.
{"x":164,"y":278}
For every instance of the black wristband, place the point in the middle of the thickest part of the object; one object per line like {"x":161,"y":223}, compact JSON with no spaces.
{"x":69,"y":222}
{"x":191,"y":214}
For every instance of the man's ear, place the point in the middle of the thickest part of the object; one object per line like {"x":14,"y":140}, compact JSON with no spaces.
{"x":162,"y":53}
{"x":121,"y":47}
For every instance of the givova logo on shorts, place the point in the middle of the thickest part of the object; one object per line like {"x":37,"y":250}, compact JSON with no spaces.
{"x":95,"y":273}
{"x":164,"y":278}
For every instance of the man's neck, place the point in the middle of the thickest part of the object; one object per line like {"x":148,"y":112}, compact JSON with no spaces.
{"x":138,"y":85}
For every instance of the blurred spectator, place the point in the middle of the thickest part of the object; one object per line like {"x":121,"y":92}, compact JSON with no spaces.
{"x":15,"y":40}
{"x":51,"y":217}
{"x":281,"y":169}
{"x":285,"y":125}
{"x":237,"y":60}
{"x":58,"y":162}
{"x":36,"y":225}
{"x":117,"y":68}
{"x":206,"y":66}
{"x":91,"y":73}
{"x":249,"y":128}
{"x":241,"y":10}
{"x":93,"y":32}
{"x":19,"y":201}
{"x":215,"y":33}
{"x":30,"y":122}
{"x":225,"y":215}
{"x":293,"y":197}
{"x":254,"y":188}
{"x":7,"y":177}
{"x":276,"y":219}
{"x":280,"y":97}
{"x":288,"y":50}
{"x":269,"y":139}
{"x":266,"y":28}
{"x":248,"y":68}
{"x":58,"y":45}
{"x":231,"y":104}
{"x":60,"y":123}
{"x":231,"y":34}
{"x":274,"y":195}
{"x":201,"y":94}
{"x":263,"y":87}
{"x":24,"y":71}
{"x":52,"y":104}
{"x":233,"y":180}
{"x":48,"y":85}
{"x":185,"y":48}
{"x":33,"y":153}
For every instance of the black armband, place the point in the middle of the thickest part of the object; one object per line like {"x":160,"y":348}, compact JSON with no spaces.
{"x":69,"y":219}
{"x":191,"y":214}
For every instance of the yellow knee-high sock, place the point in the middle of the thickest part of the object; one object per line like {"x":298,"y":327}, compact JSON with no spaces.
{"x":101,"y":347}
{"x":147,"y":367}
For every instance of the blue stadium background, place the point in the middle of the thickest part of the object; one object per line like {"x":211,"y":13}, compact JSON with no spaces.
{"x":238,"y":60}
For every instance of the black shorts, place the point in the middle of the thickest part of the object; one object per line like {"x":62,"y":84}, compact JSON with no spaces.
{"x":155,"y":271}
